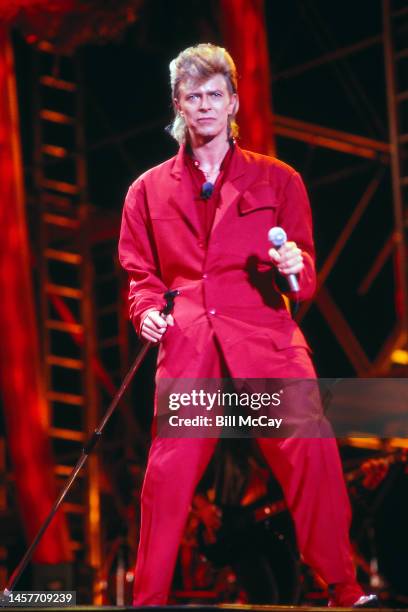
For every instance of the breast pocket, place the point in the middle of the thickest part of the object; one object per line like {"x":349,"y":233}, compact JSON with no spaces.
{"x":259,"y":196}
{"x":257,"y":213}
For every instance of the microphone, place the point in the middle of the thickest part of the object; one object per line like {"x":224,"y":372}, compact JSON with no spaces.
{"x":277,"y":237}
{"x":207,"y":189}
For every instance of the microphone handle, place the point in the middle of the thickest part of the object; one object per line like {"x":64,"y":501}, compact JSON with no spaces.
{"x":291,"y":278}
{"x":293,"y":282}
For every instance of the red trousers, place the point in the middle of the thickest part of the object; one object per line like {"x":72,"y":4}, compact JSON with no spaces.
{"x":308,"y":470}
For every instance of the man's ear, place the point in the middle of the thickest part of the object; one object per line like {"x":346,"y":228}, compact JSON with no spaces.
{"x":176,"y":105}
{"x":235,"y":105}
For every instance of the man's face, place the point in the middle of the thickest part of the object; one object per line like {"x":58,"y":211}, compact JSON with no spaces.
{"x":205,"y":107}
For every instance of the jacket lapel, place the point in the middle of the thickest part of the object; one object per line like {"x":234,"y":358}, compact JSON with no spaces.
{"x":232,"y":187}
{"x":181,"y":196}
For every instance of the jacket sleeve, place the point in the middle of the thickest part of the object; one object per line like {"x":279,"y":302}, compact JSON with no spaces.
{"x":138,"y":257}
{"x":296,"y":219}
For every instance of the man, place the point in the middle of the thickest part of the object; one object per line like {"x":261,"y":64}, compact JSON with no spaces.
{"x":198,"y":223}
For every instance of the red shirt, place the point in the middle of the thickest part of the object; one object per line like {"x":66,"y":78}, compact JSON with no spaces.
{"x":206,"y":206}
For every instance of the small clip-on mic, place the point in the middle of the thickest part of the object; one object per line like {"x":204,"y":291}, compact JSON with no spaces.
{"x":207,"y":189}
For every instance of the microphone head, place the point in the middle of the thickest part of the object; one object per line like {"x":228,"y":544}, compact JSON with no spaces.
{"x":207,"y":189}
{"x":277,"y":236}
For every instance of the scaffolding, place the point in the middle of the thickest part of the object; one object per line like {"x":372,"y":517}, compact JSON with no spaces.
{"x":84,"y":333}
{"x":385,"y":162}
{"x":65,"y":288}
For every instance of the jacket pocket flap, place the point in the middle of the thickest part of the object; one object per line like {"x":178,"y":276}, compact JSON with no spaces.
{"x":258,"y":196}
{"x":284,"y":340}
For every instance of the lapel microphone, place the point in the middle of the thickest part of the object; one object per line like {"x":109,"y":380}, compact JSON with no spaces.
{"x":207,"y":189}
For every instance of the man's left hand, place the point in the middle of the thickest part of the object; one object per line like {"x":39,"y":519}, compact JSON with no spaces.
{"x":288,"y":259}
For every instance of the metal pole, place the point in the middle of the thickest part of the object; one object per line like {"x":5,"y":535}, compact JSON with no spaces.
{"x":87,"y":449}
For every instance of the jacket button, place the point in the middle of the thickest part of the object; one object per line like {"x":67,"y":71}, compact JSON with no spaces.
{"x":204,"y":276}
{"x":212,"y":311}
{"x":201,"y":244}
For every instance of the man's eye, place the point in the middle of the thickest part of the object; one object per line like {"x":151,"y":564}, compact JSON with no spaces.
{"x":192,"y":97}
{"x":216,"y":94}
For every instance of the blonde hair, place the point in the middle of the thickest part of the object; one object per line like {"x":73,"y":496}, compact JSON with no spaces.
{"x":200,"y":63}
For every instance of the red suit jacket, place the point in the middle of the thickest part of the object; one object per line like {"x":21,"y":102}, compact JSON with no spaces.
{"x":228,"y":295}
{"x":227,"y":285}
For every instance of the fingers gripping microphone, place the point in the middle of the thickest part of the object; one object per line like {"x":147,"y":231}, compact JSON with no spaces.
{"x":277,"y":237}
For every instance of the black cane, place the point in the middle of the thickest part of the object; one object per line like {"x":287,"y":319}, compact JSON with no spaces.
{"x":87,"y":449}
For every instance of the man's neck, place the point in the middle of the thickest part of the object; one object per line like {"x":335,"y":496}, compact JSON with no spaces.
{"x":210,"y":153}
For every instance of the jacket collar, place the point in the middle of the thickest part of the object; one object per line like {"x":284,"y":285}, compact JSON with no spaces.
{"x":182,"y":197}
{"x":236,"y":169}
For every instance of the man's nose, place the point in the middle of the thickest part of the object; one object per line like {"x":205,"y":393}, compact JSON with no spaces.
{"x":205,"y":102}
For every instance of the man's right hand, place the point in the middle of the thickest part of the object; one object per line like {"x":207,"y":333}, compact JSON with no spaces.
{"x":154,"y":325}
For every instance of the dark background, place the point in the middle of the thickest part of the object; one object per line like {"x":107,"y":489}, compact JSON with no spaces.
{"x":127,"y":106}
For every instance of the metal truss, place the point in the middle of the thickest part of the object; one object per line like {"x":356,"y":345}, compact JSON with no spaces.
{"x":380,"y":159}
{"x":83,"y":300}
{"x":65,"y":287}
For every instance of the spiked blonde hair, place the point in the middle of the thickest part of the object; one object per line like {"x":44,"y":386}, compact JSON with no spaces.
{"x":200,"y":63}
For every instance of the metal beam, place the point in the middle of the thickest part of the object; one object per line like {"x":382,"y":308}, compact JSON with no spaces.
{"x":342,"y":240}
{"x":343,"y":332}
{"x":328,"y":138}
{"x":328,"y":57}
{"x":348,"y":229}
{"x":396,"y":167}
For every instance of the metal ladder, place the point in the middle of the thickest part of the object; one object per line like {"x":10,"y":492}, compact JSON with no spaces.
{"x":65,"y":288}
{"x":395,"y":22}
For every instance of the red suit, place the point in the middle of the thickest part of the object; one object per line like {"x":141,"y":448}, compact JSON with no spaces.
{"x":230,"y":319}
